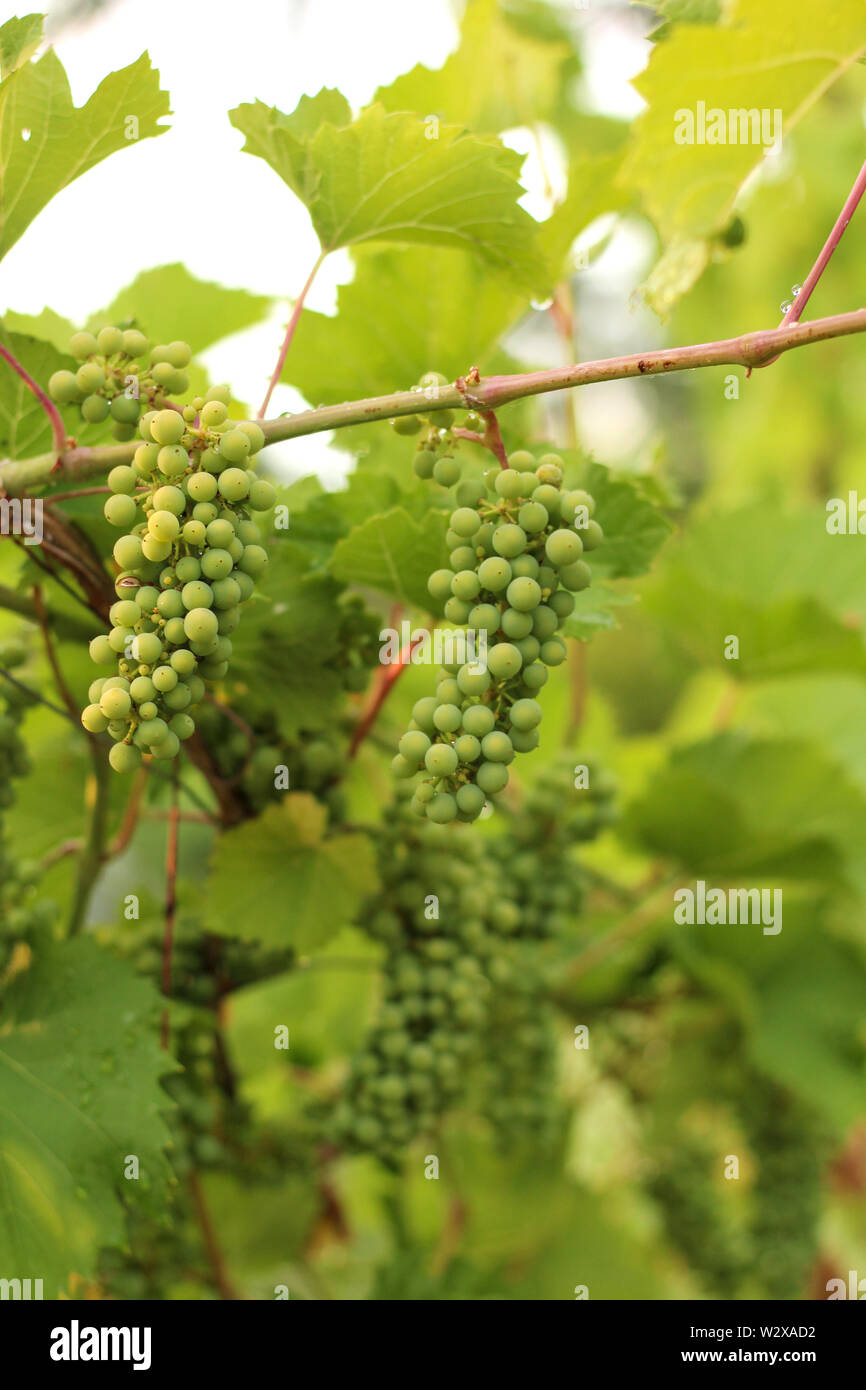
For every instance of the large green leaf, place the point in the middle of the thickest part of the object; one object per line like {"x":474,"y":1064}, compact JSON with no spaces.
{"x":169,"y":300}
{"x":500,"y":76}
{"x":25,"y":429}
{"x":792,"y":594}
{"x":731,"y":806}
{"x":765,"y":58}
{"x":393,"y":554}
{"x":46,"y":142}
{"x":322,"y":879}
{"x":380,"y":178}
{"x":402,"y":315}
{"x":80,"y":1064}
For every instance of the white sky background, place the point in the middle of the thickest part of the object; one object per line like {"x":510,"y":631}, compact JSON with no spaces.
{"x":134,"y":210}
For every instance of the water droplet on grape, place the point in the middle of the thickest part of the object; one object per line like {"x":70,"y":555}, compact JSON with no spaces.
{"x":541,"y":304}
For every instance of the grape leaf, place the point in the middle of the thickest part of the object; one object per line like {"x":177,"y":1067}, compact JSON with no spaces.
{"x":791,"y":593}
{"x":19,"y":40}
{"x":323,"y":879}
{"x":764,"y":58}
{"x":80,"y":1064}
{"x":210,"y":311}
{"x":497,"y":78}
{"x":809,"y":1029}
{"x":393,"y":554}
{"x":48,"y":326}
{"x":380,"y":178}
{"x":393,"y":323}
{"x":46,"y":142}
{"x":284,"y":648}
{"x":730,"y":806}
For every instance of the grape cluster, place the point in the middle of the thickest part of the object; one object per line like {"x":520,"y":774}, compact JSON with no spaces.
{"x":22,"y":916}
{"x":188,"y":560}
{"x":694,"y":1216}
{"x":519,"y":1074}
{"x":570,"y":802}
{"x":440,"y":967}
{"x":517,"y":541}
{"x":111,"y":383}
{"x":791,"y":1147}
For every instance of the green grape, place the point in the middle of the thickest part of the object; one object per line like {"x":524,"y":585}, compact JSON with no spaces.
{"x":94,"y":409}
{"x":524,"y":715}
{"x":163,"y":526}
{"x":90,"y":378}
{"x":509,"y":541}
{"x":109,"y":340}
{"x":443,"y":808}
{"x":200,"y":624}
{"x":93,"y":719}
{"x":263,"y":495}
{"x":134,"y":344}
{"x":125,"y":409}
{"x":83,"y":345}
{"x":233,"y":484}
{"x":422,"y":463}
{"x":563,"y":548}
{"x":120,"y":511}
{"x":202,"y":487}
{"x":234,"y":446}
{"x":172,"y":460}
{"x":465,"y":585}
{"x":115,"y":704}
{"x":167,"y":427}
{"x":441,"y":760}
{"x":523,"y":594}
{"x":492,"y":777}
{"x":504,"y":661}
{"x":446,"y":470}
{"x":439,"y":584}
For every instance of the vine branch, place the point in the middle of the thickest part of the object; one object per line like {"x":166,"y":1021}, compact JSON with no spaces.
{"x":748,"y":350}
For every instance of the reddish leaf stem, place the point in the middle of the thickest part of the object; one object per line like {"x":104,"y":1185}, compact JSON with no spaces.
{"x":58,"y":429}
{"x":794,"y":314}
{"x":290,"y":333}
{"x":384,"y":684}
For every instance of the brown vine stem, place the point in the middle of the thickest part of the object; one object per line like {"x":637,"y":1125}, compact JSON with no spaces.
{"x":212,"y":1248}
{"x":59,"y":679}
{"x":747,"y":350}
{"x":290,"y":333}
{"x":58,"y":429}
{"x":171,"y":848}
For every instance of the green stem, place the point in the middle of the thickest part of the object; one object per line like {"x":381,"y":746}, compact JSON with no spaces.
{"x":748,"y":350}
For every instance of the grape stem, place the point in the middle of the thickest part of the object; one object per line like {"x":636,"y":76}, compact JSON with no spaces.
{"x":794,"y":314}
{"x":290,"y":333}
{"x":384,"y":684}
{"x":748,"y":350}
{"x":58,"y":429}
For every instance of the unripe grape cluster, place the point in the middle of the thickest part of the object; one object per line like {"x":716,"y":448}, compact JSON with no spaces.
{"x":519,"y":1096}
{"x":695,"y":1216}
{"x":442,"y":917}
{"x":120,"y":376}
{"x":22,"y":914}
{"x":516,"y":542}
{"x":569,"y":803}
{"x":188,"y":560}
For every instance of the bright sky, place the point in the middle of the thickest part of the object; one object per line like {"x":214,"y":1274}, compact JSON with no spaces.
{"x":134,"y":210}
